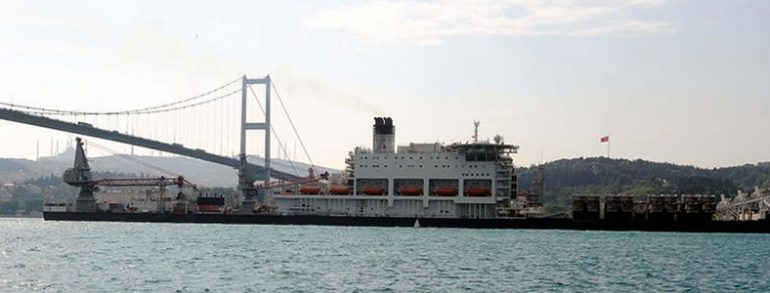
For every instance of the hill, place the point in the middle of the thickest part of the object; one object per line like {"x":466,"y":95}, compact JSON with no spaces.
{"x":638,"y":177}
{"x":197,"y":171}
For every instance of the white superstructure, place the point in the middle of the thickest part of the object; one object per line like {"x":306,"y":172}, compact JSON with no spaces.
{"x":471,"y":180}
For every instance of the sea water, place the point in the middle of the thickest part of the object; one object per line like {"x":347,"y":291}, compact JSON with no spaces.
{"x":36,"y":255}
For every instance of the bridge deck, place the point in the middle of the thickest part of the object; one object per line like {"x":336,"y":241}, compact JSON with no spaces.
{"x":87,"y":130}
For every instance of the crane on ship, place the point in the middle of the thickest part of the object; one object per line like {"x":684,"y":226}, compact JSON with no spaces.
{"x":80,"y":176}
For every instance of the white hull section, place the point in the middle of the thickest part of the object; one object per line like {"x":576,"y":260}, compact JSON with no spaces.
{"x":385,"y":206}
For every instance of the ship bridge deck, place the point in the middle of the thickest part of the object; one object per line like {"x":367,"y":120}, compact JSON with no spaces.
{"x":483,"y":151}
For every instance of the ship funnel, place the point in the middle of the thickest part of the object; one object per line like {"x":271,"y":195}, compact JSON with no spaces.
{"x":384,"y":139}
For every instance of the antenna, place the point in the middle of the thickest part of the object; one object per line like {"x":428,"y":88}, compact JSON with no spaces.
{"x":476,"y":131}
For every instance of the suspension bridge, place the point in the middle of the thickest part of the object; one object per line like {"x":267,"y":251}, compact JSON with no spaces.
{"x":203,"y":126}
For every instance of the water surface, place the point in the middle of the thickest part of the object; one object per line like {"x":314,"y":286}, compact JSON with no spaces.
{"x":97,"y":257}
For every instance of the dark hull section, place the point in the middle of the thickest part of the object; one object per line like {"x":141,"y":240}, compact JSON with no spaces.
{"x":564,"y":224}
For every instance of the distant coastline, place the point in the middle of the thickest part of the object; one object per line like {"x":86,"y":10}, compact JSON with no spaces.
{"x":35,"y":216}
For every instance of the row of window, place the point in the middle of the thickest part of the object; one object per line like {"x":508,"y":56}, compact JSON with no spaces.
{"x":410,"y":158}
{"x":420,"y":166}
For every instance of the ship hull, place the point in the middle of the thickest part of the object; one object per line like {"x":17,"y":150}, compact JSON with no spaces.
{"x":762,"y":226}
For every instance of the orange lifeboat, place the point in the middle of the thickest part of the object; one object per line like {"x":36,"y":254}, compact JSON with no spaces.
{"x":310,"y":189}
{"x":339,"y":190}
{"x":210,"y":204}
{"x":209,"y":208}
{"x":410,"y":190}
{"x":374,"y":190}
{"x":477,"y":191}
{"x":446,"y":191}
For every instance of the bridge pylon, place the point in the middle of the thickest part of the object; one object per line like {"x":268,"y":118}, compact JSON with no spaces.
{"x":247,"y":176}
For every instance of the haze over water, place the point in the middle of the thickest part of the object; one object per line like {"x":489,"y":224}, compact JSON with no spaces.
{"x":106,"y":257}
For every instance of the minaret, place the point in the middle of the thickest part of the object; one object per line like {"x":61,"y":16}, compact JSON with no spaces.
{"x":476,"y":131}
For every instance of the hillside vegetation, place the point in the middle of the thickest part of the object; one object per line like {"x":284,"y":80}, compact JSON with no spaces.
{"x":638,"y":177}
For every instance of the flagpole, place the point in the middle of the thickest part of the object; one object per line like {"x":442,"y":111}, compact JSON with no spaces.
{"x":607,"y":140}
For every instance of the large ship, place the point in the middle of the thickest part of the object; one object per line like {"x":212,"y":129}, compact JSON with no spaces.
{"x":466,"y":185}
{"x":428,"y":180}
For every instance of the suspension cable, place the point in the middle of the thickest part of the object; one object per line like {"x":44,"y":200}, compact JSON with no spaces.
{"x":173,"y":106}
{"x":132,"y":159}
{"x":291,"y":122}
{"x":55,"y":112}
{"x":275,"y":133}
{"x":188,"y":99}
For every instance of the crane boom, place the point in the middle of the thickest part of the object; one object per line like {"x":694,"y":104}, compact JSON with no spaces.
{"x":80,"y":176}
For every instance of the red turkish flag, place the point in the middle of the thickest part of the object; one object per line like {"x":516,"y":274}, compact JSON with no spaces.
{"x":605,"y":139}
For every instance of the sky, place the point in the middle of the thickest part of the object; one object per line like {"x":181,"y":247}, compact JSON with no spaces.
{"x":671,"y":81}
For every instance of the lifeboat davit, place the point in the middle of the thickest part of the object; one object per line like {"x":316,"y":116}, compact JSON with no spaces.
{"x":477,"y":191}
{"x":374,"y":190}
{"x":446,"y":191}
{"x":410,"y":190}
{"x":310,"y":189}
{"x":339,"y":190}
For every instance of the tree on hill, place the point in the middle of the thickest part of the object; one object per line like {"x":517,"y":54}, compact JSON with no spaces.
{"x":615,"y":176}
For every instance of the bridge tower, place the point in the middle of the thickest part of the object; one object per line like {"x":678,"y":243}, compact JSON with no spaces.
{"x":246,"y":175}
